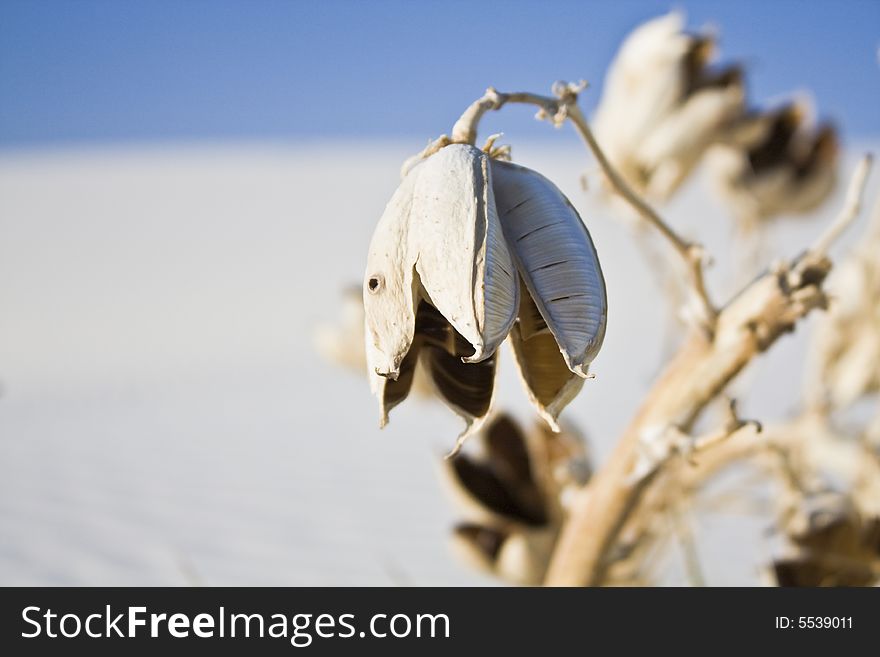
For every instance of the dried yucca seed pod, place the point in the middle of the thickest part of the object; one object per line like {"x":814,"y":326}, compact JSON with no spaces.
{"x":442,"y":287}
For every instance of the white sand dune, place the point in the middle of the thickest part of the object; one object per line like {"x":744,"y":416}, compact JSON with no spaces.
{"x":163,"y":419}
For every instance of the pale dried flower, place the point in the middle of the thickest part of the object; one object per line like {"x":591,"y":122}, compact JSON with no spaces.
{"x":469,"y":250}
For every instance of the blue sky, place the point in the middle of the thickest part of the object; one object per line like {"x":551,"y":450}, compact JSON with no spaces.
{"x":102,"y":71}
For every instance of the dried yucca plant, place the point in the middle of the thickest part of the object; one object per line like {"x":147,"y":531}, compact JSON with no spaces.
{"x":473,"y":250}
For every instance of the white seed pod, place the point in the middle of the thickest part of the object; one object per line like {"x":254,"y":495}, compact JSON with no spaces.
{"x":462,"y":260}
{"x":556,"y":259}
{"x":442,"y":288}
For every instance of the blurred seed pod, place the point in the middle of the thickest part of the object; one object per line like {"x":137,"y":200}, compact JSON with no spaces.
{"x":774,"y":163}
{"x":663,"y":104}
{"x":512,"y":497}
{"x":831,"y":544}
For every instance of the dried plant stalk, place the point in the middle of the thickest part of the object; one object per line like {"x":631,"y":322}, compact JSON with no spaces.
{"x":749,"y":325}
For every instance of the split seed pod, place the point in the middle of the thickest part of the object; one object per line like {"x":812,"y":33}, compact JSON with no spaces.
{"x":443,"y":283}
